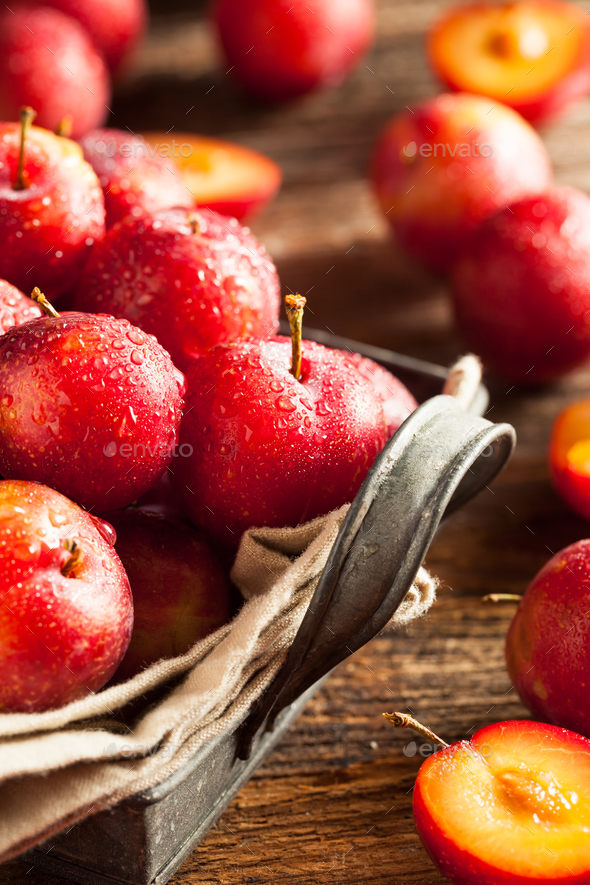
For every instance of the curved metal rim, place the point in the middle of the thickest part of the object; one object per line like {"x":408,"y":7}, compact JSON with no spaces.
{"x":404,"y":577}
{"x":447,"y":488}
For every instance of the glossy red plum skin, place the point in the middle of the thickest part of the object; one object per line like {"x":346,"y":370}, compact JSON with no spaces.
{"x":89,"y":404}
{"x":268,"y":450}
{"x":442,"y":168}
{"x":280,"y":49}
{"x":180,"y":591}
{"x":116,"y":26}
{"x":133,"y":181}
{"x":15,"y":307}
{"x":191,"y":279}
{"x":521,"y":290}
{"x":47,"y":229}
{"x":48,"y":61}
{"x":397,"y":401}
{"x":61,"y":638}
{"x":548,"y":643}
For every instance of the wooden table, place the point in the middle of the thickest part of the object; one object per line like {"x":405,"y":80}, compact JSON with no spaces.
{"x":333,"y":802}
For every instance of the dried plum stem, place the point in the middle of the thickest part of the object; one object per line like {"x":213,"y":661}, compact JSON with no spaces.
{"x":501,"y":597}
{"x":402,"y":720}
{"x":47,"y":308}
{"x":75,"y":559}
{"x":193,"y":222}
{"x":26,"y":115}
{"x":294,"y":305}
{"x":64,"y":127}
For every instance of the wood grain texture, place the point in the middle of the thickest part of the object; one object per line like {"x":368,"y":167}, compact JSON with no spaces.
{"x":333,"y":802}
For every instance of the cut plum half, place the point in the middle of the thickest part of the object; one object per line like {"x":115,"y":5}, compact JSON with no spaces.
{"x":533,"y":56}
{"x":222,"y":175}
{"x":510,"y":806}
{"x":569,"y":456}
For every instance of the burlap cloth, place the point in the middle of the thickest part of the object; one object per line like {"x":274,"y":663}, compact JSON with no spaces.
{"x":58,"y":767}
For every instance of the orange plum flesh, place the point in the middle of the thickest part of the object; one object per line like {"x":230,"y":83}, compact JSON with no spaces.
{"x":226,"y":177}
{"x":533,"y":55}
{"x":510,"y":806}
{"x":569,"y":456}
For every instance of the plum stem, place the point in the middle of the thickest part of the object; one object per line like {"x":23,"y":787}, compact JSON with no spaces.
{"x":294,"y":305}
{"x":193,"y":220}
{"x":75,"y":559}
{"x":64,"y":127}
{"x":47,"y":308}
{"x":501,"y":597}
{"x":402,"y":720}
{"x":26,"y":116}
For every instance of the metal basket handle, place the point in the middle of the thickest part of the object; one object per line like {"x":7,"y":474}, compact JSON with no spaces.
{"x":439,"y":459}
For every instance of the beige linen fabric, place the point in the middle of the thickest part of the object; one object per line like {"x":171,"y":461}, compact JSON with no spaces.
{"x":57,"y":767}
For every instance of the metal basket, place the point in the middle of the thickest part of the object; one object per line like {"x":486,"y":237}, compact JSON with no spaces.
{"x":440,"y":458}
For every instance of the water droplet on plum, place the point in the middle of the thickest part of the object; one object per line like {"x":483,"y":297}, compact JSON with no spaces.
{"x":105,"y":529}
{"x":180,"y":380}
{"x":323,"y":408}
{"x":285,"y":404}
{"x":38,"y":414}
{"x":56,"y":519}
{"x":135,"y":336}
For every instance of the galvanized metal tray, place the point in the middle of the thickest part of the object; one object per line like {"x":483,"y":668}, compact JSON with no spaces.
{"x":440,"y":458}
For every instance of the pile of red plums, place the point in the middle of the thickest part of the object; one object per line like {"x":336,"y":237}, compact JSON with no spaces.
{"x":465,"y":182}
{"x":143,"y":432}
{"x":59,"y":55}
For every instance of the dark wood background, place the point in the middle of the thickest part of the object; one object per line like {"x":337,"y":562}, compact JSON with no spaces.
{"x":333,"y":802}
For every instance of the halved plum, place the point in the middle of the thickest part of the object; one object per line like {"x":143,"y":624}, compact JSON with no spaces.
{"x":533,"y":55}
{"x":222,"y":175}
{"x":508,"y":807}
